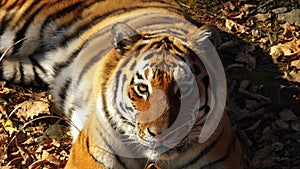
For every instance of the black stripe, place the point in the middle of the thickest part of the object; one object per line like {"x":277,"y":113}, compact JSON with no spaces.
{"x":106,"y":112}
{"x":21,"y":70}
{"x":196,"y":69}
{"x":127,"y":20}
{"x":113,"y":123}
{"x":69,"y":24}
{"x":131,"y":110}
{"x":76,"y":6}
{"x":224,"y":157}
{"x":60,"y":13}
{"x":8,"y":16}
{"x":27,"y":11}
{"x":204,"y":151}
{"x":141,"y":46}
{"x":58,"y":66}
{"x":205,"y":81}
{"x":148,"y":57}
{"x":112,"y":153}
{"x":205,"y":107}
{"x":121,"y":162}
{"x":202,"y":117}
{"x":132,"y":66}
{"x":63,"y":91}
{"x":35,"y":63}
{"x":37,"y":78}
{"x":105,"y":142}
{"x":13,"y":5}
{"x":155,"y":45}
{"x":97,"y":19}
{"x":125,"y":62}
{"x":194,"y":57}
{"x":139,"y":76}
{"x":117,"y":77}
{"x":90,"y":63}
{"x":69,"y":112}
{"x":124,"y":79}
{"x":176,"y":48}
{"x":21,"y":33}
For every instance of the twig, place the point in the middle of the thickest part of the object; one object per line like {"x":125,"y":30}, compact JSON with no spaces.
{"x":261,"y":6}
{"x":182,"y":4}
{"x":19,"y":41}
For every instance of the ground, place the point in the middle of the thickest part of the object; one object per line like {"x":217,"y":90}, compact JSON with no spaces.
{"x":261,"y":56}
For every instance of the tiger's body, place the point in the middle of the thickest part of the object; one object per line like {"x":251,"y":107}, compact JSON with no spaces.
{"x":127,"y":75}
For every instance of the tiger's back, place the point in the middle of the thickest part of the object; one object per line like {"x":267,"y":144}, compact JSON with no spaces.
{"x":107,"y":63}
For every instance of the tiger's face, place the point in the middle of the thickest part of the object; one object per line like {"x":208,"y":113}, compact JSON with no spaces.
{"x":164,"y":94}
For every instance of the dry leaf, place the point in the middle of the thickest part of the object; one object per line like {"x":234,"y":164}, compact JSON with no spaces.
{"x":252,"y":105}
{"x":292,"y":17}
{"x":287,"y":115}
{"x":234,"y":27}
{"x":7,"y":167}
{"x":38,"y":164}
{"x":3,"y":152}
{"x":293,"y":76}
{"x":30,"y":109}
{"x":263,"y":157}
{"x":11,"y":130}
{"x":296,"y":125}
{"x":296,"y":64}
{"x":288,"y":51}
{"x":289,"y":32}
{"x":282,"y":124}
{"x":26,"y":159}
{"x":246,"y":58}
{"x":279,"y":10}
{"x":229,"y":5}
{"x":263,"y":17}
{"x":247,"y":7}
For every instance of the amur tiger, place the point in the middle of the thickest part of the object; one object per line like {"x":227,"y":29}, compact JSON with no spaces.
{"x":144,"y":87}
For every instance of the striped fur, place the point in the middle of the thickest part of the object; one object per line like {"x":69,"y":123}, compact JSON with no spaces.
{"x":121,"y":70}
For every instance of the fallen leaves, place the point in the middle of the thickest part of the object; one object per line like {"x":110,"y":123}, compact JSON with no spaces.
{"x":246,"y":58}
{"x":292,"y":17}
{"x":30,"y":109}
{"x":234,"y":27}
{"x":288,"y":51}
{"x":30,"y":136}
{"x":263,"y":17}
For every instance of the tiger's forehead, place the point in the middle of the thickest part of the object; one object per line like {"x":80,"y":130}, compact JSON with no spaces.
{"x":162,"y":65}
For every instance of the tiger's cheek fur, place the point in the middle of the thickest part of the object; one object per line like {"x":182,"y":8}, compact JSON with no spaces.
{"x":158,"y":112}
{"x":151,"y":113}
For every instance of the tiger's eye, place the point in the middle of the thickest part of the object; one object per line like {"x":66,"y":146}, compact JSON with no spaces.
{"x":153,"y":166}
{"x":142,"y":88}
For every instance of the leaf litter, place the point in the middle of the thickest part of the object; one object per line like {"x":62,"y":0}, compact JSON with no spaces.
{"x":260,"y":52}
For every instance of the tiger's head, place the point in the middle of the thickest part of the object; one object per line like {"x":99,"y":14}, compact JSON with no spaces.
{"x":162,"y":90}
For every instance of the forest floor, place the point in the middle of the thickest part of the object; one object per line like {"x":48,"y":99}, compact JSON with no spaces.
{"x":260,"y":51}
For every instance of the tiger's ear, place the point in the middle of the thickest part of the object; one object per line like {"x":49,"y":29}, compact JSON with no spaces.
{"x":123,"y":37}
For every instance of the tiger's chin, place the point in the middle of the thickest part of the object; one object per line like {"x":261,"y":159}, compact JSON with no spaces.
{"x":165,"y":156}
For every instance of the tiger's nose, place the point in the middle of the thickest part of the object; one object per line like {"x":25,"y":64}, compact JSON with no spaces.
{"x":153,"y":131}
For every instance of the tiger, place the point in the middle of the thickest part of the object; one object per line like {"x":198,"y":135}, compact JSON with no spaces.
{"x":141,"y":82}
